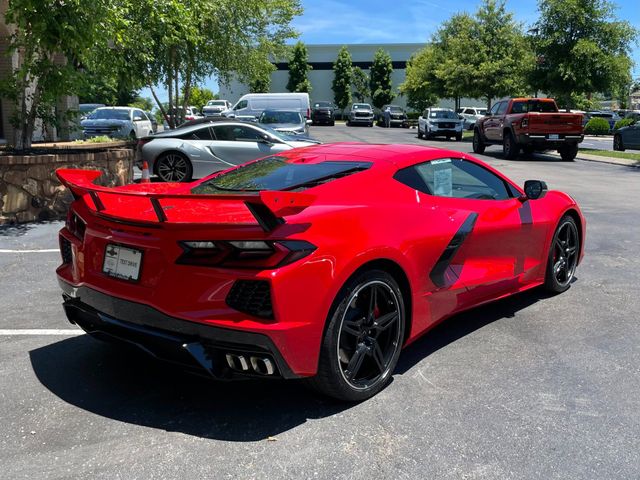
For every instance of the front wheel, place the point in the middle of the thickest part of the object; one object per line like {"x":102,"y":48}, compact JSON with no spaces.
{"x":419,"y":132}
{"x":174,"y":167}
{"x":563,"y":256}
{"x":618,"y":145}
{"x":363,"y":338}
{"x":478,"y":144}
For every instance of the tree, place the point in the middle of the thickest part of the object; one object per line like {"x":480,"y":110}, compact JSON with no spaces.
{"x":504,"y":56}
{"x":582,"y":49}
{"x":342,"y":78}
{"x":298,"y":68}
{"x":200,"y":96}
{"x":380,"y":79}
{"x":421,"y":86}
{"x":49,"y":39}
{"x":360,"y":84}
{"x":261,"y":80}
{"x":143,"y":103}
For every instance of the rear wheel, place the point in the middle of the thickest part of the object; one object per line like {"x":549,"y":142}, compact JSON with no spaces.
{"x":174,"y":167}
{"x":563,"y":256}
{"x":510,"y":148}
{"x":363,"y":338}
{"x":478,"y":144}
{"x":459,"y":137}
{"x":568,"y":152}
{"x":618,"y":145}
{"x":528,"y":149}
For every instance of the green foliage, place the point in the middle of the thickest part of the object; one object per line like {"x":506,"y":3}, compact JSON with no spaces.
{"x":597,"y":126}
{"x":298,"y":68}
{"x":342,"y":78}
{"x":421,"y":85}
{"x":98,"y":139}
{"x":625,"y":122}
{"x":360,"y":84}
{"x":380,"y":79}
{"x":261,"y":80}
{"x":200,"y":96}
{"x":143,"y":103}
{"x":582,"y":48}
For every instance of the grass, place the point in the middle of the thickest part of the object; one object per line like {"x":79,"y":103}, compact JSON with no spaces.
{"x":612,"y":153}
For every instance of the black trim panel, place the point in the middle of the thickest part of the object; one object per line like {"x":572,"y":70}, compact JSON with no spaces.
{"x":437,"y":274}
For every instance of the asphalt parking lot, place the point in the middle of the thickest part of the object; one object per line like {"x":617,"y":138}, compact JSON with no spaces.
{"x":528,"y":387}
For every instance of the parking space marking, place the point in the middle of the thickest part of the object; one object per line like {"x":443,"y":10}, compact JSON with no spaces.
{"x":43,"y":250}
{"x":7,"y":332}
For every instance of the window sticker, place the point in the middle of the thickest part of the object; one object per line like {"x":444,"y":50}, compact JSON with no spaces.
{"x":442,"y":160}
{"x":442,"y":182}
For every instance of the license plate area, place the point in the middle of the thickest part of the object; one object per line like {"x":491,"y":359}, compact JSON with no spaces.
{"x":554,"y":136}
{"x":122,"y":262}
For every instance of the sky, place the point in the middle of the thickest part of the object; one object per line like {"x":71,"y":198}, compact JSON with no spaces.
{"x":407,"y":21}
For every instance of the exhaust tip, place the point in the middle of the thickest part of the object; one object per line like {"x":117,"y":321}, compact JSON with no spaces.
{"x":262,"y":365}
{"x":237,"y":362}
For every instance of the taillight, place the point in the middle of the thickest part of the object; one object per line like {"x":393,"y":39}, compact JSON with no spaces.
{"x":75,"y":225}
{"x":243,"y":253}
{"x":308,"y":113}
{"x":525,"y":122}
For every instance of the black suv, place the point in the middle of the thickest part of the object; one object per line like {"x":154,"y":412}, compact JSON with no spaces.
{"x":323,"y":112}
{"x":398,"y":117}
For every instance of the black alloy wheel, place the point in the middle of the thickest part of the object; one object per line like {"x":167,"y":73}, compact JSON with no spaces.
{"x":618,"y":145}
{"x":174,"y":167}
{"x":563,"y":256}
{"x":363,"y":339}
{"x":510,"y":149}
{"x":478,"y":144}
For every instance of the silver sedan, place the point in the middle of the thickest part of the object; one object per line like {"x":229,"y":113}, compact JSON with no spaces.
{"x":195,"y":151}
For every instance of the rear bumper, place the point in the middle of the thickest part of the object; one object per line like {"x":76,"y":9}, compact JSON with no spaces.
{"x":192,"y":345}
{"x":542,"y":140}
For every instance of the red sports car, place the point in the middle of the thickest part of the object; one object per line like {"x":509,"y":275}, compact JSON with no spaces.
{"x":318,"y":263}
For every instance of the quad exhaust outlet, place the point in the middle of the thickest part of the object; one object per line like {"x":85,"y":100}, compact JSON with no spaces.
{"x":259,"y":365}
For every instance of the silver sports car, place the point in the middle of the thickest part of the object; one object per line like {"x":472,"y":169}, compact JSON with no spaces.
{"x":195,"y":151}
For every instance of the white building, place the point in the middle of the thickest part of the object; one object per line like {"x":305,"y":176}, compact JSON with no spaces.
{"x":321,"y":59}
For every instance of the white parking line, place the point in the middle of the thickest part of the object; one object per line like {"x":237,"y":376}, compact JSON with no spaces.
{"x":40,"y":331}
{"x":43,"y":250}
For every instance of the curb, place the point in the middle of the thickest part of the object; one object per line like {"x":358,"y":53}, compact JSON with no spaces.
{"x":609,"y":160}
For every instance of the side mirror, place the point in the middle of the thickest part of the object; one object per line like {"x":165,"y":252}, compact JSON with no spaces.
{"x":535,"y":189}
{"x":266,"y":139}
{"x":231,"y":115}
{"x":460,"y":117}
{"x":309,"y":122}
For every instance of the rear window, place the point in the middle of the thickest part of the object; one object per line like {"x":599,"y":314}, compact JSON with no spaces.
{"x":276,"y":173}
{"x":533,"y":106}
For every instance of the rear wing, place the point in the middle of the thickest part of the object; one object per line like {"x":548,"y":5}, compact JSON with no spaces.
{"x":160,"y":203}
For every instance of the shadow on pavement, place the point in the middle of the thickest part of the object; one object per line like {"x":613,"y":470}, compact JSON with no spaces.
{"x":125,"y":385}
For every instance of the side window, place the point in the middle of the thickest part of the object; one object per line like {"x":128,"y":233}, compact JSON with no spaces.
{"x":502,"y":108}
{"x":237,"y":133}
{"x":240,"y":105}
{"x":494,"y":108}
{"x":455,"y":178}
{"x":201,"y":134}
{"x":139,"y":115}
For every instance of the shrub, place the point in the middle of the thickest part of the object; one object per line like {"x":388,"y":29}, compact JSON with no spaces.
{"x":597,"y":126}
{"x":624,"y":123}
{"x":413,"y":115}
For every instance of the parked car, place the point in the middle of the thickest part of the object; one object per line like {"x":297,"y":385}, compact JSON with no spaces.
{"x":319,"y":263}
{"x":183,"y":115}
{"x":471,"y":115}
{"x":251,"y":105}
{"x":397,"y":116}
{"x":214,"y":108}
{"x":195,"y":151}
{"x":323,"y":112}
{"x":85,"y":109}
{"x":627,"y":138}
{"x":154,"y":122}
{"x":610,"y":117}
{"x":285,"y":121}
{"x":440,"y":122}
{"x":360,"y":113}
{"x":529,"y":124}
{"x":117,"y":122}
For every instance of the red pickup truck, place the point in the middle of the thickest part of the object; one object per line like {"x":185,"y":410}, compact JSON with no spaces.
{"x":530,"y":124}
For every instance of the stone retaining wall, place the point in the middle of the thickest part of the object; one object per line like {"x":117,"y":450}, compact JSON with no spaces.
{"x":30,"y":190}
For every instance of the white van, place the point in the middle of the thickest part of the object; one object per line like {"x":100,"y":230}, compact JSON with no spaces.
{"x":251,"y":105}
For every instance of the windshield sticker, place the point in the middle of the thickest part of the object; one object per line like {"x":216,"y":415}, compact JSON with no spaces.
{"x":442,"y":182}
{"x":443,"y":160}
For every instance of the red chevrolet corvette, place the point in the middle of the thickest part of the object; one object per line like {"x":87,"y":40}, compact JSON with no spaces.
{"x":318,"y":263}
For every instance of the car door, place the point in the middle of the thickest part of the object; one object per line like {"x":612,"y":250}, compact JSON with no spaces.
{"x":492,"y":123}
{"x":141,"y":123}
{"x":631,"y":137}
{"x":236,"y":144}
{"x":494,"y":245}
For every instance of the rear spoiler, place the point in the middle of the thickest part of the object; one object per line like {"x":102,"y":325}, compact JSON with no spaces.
{"x":132,"y":206}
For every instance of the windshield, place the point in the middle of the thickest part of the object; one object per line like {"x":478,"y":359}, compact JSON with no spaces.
{"x":395,"y":108}
{"x":361,"y":106}
{"x":276,"y":173}
{"x":443,"y":114}
{"x":215,"y":103}
{"x":109,"y":114}
{"x":272,"y":116}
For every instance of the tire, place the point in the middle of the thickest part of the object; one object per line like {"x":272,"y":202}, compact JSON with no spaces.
{"x":478,"y":144}
{"x":332,"y":123}
{"x":347,"y":123}
{"x":419,"y":132}
{"x":458,"y":137}
{"x":510,"y":148}
{"x":371,"y":124}
{"x":563,"y":256}
{"x":618,"y":144}
{"x":358,"y":355}
{"x":173,"y":167}
{"x":528,"y":150}
{"x":133,"y":136}
{"x":568,"y":153}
